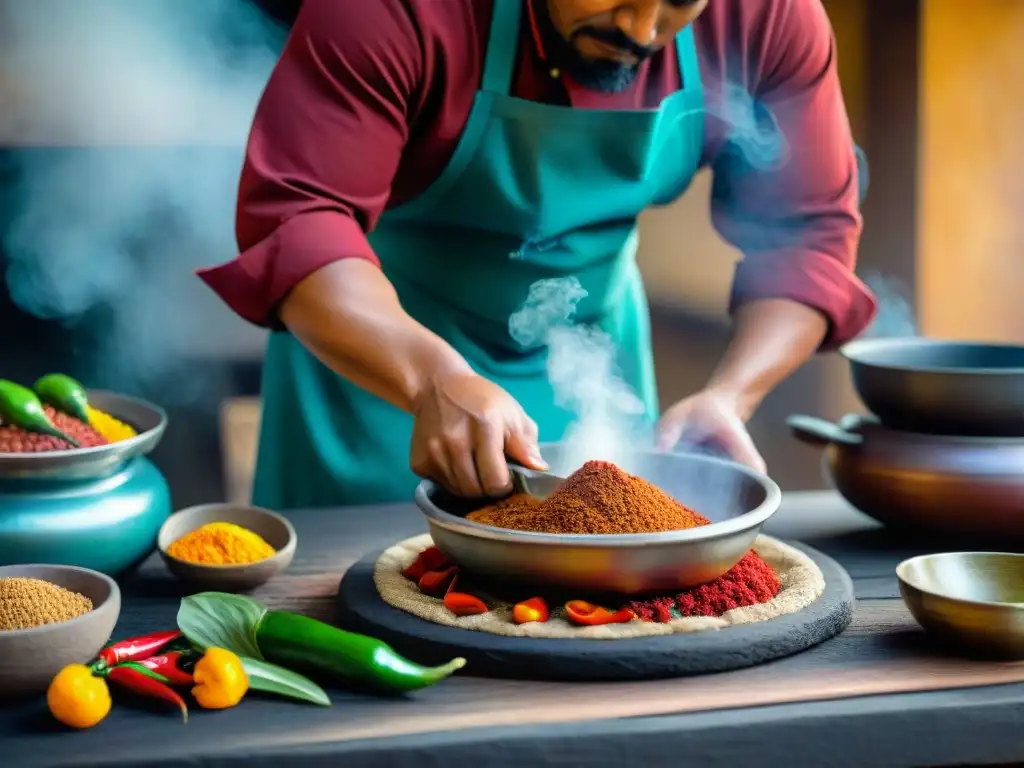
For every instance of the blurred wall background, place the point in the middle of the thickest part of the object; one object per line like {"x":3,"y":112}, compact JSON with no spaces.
{"x":929,"y":92}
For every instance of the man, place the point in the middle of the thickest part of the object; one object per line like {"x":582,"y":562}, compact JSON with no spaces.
{"x":415,"y":166}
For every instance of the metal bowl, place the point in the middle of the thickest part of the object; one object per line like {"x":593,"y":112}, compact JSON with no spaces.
{"x":974,"y":600}
{"x":736,"y":499}
{"x":941,"y":387}
{"x":147,"y":419}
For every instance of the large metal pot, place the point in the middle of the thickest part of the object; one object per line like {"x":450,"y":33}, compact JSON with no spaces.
{"x":929,"y":483}
{"x":941,"y":387}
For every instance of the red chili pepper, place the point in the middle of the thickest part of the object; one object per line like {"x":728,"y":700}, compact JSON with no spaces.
{"x":463,"y":604}
{"x":590,"y":615}
{"x":144,"y":682}
{"x":534,"y":609}
{"x":435,"y":583}
{"x":135,"y":648}
{"x":166,"y":665}
{"x":430,"y":559}
{"x":662,"y":614}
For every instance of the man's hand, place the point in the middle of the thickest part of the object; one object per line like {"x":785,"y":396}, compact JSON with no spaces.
{"x":709,"y":416}
{"x":771,"y":339}
{"x":464,"y":428}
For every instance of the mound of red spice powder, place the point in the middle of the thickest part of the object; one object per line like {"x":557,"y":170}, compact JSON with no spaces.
{"x":749,"y":582}
{"x":17,"y":440}
{"x":598,"y":498}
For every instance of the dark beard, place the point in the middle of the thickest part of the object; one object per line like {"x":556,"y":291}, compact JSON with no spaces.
{"x":599,"y":74}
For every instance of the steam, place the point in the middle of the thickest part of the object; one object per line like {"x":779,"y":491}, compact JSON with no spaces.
{"x":752,"y":132}
{"x":156,"y":99}
{"x":895,"y":317}
{"x":583,"y":373}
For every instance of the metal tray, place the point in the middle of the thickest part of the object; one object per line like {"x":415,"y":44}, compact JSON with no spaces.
{"x":147,"y":419}
{"x":737,"y":500}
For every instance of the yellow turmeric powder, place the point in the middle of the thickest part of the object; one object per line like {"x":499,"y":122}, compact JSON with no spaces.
{"x":221,"y":544}
{"x":115,"y":431}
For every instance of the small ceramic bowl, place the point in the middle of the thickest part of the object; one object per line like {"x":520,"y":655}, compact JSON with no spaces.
{"x":974,"y":600}
{"x":274,"y":529}
{"x":29,"y":658}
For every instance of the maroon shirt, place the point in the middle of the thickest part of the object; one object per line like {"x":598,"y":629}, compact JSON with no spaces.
{"x":365,"y":108}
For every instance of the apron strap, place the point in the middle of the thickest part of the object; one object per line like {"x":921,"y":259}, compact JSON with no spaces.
{"x":502,"y":46}
{"x":689,"y":66}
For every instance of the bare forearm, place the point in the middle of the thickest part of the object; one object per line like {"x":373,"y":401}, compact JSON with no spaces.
{"x":349,"y":316}
{"x":771,"y":339}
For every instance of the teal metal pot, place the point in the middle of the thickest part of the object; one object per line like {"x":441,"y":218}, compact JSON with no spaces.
{"x":98,"y":508}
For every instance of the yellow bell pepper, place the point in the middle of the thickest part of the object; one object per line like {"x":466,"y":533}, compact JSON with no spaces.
{"x":220,"y":679}
{"x":77,"y":698}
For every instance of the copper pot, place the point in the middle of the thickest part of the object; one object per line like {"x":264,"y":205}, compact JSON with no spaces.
{"x":929,"y":483}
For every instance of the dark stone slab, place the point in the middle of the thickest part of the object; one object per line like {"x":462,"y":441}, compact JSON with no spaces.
{"x":361,"y":609}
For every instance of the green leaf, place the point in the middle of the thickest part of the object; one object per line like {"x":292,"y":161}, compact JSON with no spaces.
{"x":221,"y":620}
{"x":270,"y":678}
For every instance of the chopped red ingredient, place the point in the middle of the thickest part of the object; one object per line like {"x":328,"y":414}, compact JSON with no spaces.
{"x":415,"y":570}
{"x":434,"y":559}
{"x":463,"y":604}
{"x":435,"y":583}
{"x":430,"y":559}
{"x":749,"y":582}
{"x":534,"y":609}
{"x":590,"y":615}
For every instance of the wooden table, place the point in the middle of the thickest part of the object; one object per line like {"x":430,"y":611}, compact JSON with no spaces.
{"x":494,"y":723}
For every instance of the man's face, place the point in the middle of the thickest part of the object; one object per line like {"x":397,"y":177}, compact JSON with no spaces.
{"x":602,"y":42}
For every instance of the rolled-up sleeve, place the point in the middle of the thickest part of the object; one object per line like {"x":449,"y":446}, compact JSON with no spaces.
{"x":789,"y":201}
{"x":323,"y":151}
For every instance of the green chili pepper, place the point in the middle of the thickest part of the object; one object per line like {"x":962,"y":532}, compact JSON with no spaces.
{"x":291,"y":640}
{"x":20,"y":407}
{"x":64,"y":394}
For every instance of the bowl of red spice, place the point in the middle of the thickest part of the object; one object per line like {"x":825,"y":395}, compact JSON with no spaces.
{"x":672,"y":522}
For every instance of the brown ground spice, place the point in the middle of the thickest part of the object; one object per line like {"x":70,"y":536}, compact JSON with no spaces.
{"x":17,"y":440}
{"x":27,"y":603}
{"x":597,"y":498}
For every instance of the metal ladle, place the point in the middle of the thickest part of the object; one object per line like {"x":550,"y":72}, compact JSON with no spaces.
{"x":534,"y":482}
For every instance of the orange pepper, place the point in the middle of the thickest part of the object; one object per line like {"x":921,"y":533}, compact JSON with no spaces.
{"x":534,"y":609}
{"x":463,"y":604}
{"x":77,"y":698}
{"x":590,"y":615}
{"x":220,"y":679}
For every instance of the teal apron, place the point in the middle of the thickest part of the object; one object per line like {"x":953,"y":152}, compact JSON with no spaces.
{"x":533,"y":192}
